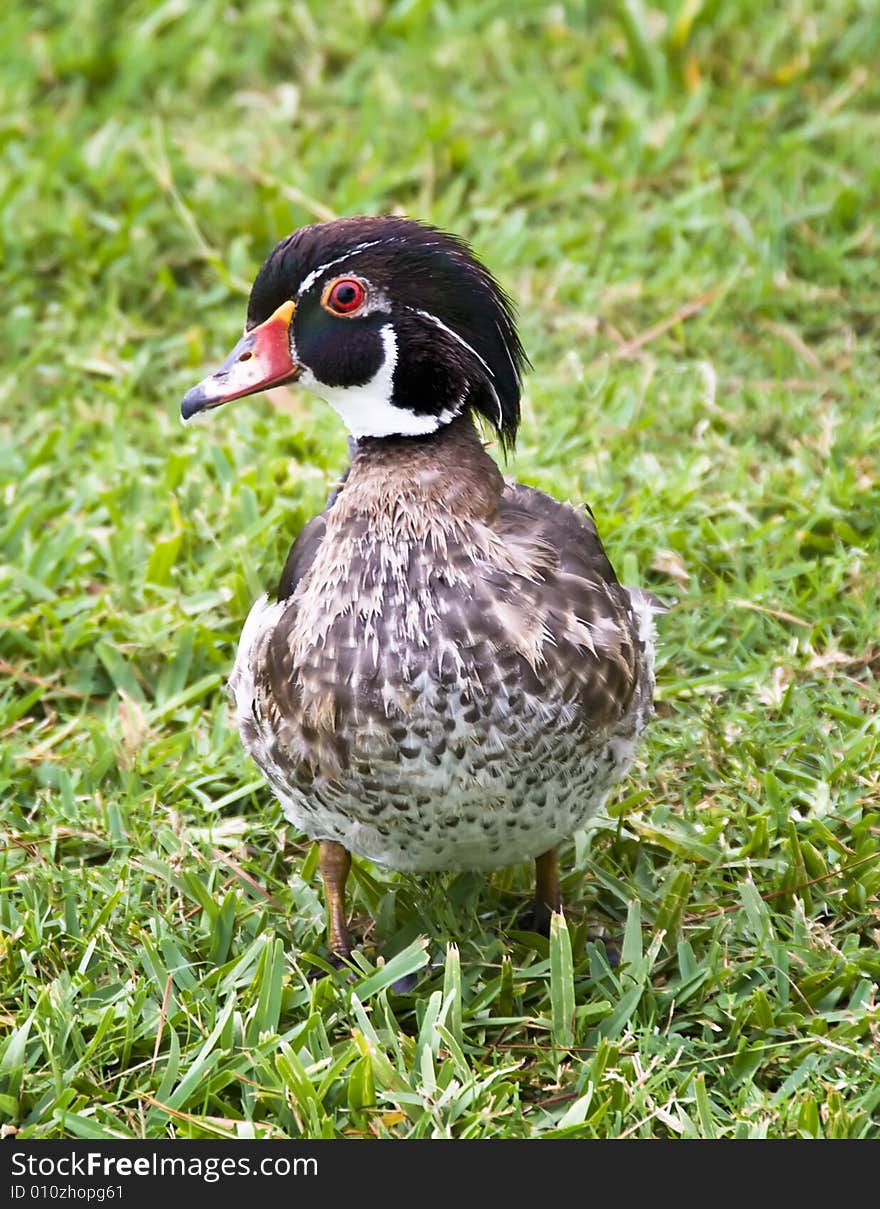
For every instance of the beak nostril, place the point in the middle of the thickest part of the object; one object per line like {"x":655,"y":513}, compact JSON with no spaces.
{"x":245,"y":356}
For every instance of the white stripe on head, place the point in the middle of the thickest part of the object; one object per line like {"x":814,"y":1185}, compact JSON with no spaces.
{"x":488,"y":368}
{"x":504,"y":340}
{"x":309,"y":280}
{"x":500,"y":420}
{"x":443,"y":327}
{"x":368,"y":410}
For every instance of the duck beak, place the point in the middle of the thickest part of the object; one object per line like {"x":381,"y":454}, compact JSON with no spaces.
{"x":261,"y":359}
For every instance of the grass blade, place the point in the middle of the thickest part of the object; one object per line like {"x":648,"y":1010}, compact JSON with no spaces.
{"x":561,"y":982}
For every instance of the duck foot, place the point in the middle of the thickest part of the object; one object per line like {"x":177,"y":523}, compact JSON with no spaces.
{"x":610,"y":945}
{"x":405,"y":985}
{"x":339,"y":961}
{"x":535,"y":918}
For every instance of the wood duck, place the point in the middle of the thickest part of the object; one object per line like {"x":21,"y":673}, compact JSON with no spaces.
{"x":450,"y":676}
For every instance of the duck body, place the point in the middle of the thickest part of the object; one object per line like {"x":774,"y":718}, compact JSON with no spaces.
{"x":451,"y":675}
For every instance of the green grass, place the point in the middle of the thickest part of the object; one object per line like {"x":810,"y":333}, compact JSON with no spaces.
{"x":683,"y":198}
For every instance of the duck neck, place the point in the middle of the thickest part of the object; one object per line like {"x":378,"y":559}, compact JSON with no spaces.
{"x":446,"y":477}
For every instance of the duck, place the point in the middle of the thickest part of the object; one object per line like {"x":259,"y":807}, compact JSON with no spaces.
{"x":450,"y":675}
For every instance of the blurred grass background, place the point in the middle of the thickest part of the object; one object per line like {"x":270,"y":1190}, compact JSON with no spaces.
{"x":682,"y":197}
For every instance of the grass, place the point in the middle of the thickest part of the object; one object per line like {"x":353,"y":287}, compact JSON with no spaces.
{"x":683,"y":199}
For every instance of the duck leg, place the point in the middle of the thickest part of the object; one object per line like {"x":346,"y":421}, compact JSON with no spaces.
{"x":335,"y":862}
{"x":548,"y":896}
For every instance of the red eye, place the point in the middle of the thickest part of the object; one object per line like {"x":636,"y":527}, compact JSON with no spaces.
{"x":345,"y":296}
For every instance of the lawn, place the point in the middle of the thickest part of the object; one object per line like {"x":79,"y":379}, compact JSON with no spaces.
{"x":683,"y":200}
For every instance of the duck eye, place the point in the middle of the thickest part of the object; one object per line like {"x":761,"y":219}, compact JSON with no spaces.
{"x":345,"y":296}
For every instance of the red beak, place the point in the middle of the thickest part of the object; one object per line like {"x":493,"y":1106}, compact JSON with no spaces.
{"x":261,"y":359}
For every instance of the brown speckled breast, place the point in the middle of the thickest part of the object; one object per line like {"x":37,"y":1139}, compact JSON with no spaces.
{"x":452,"y":678}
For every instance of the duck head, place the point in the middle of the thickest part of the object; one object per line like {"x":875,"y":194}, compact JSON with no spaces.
{"x":394,"y":323}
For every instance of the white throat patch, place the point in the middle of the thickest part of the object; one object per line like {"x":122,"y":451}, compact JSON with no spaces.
{"x":367,"y":410}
